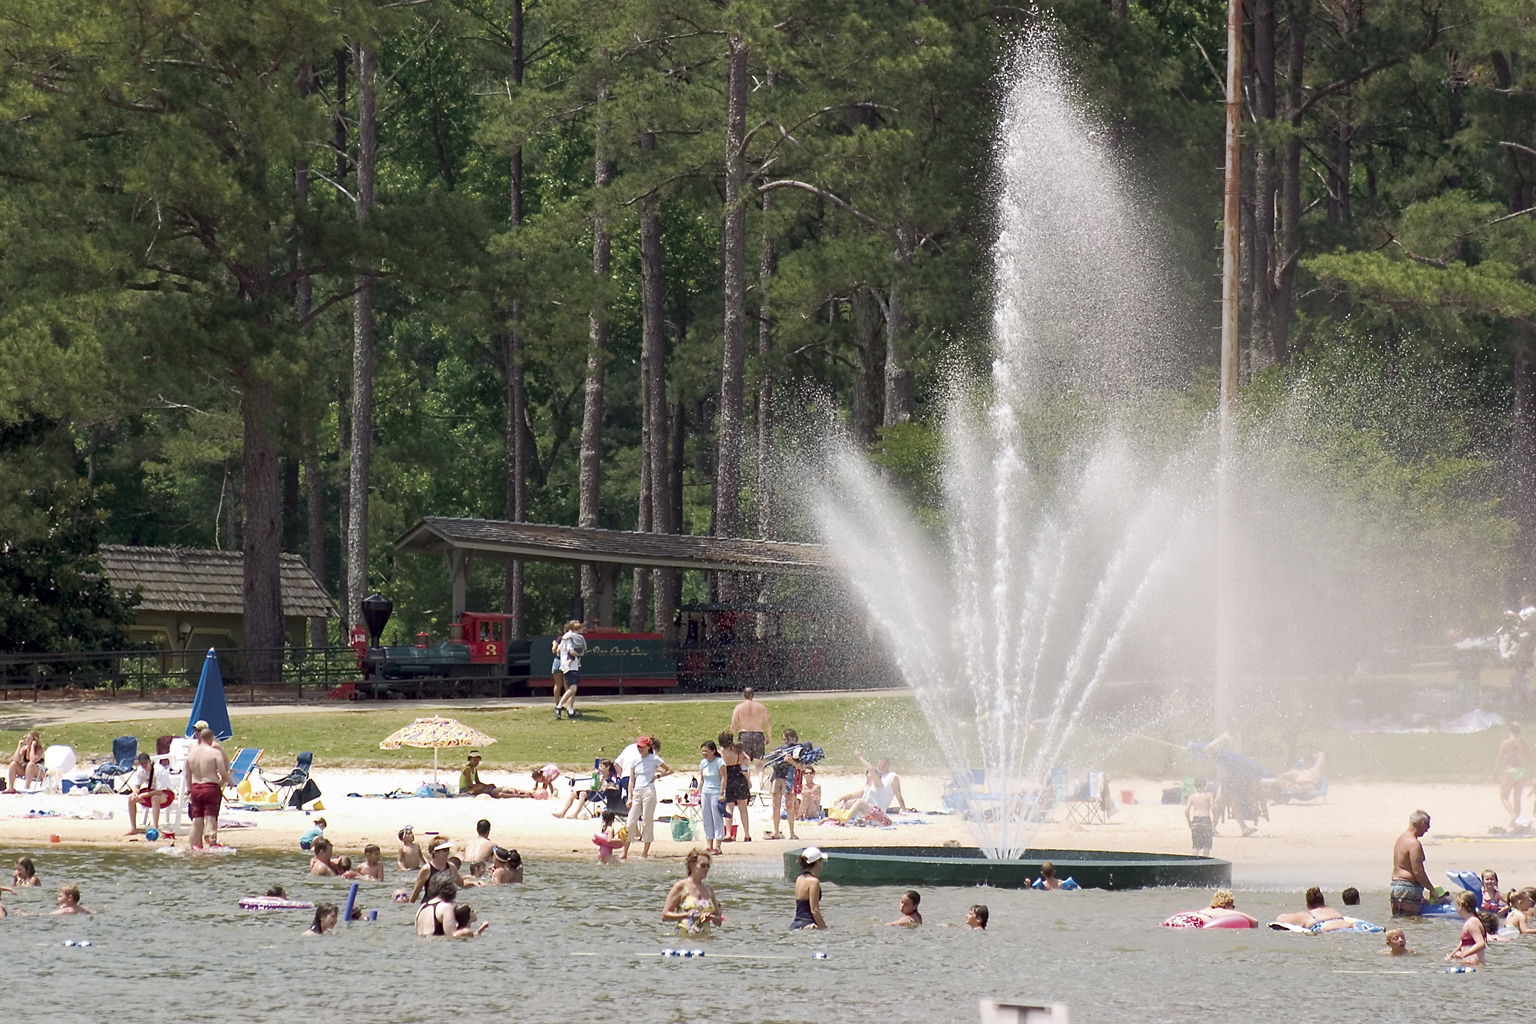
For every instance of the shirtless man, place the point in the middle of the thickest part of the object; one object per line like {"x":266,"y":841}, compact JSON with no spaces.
{"x":1200,"y":813}
{"x":478,"y":851}
{"x":752,"y":724}
{"x":1409,"y":879}
{"x":207,"y":775}
{"x":1513,"y":769}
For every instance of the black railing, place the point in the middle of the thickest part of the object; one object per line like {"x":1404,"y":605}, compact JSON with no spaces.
{"x":144,"y":671}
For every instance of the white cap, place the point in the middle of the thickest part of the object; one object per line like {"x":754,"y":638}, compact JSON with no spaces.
{"x":199,"y":724}
{"x":812,"y":854}
{"x":444,"y":845}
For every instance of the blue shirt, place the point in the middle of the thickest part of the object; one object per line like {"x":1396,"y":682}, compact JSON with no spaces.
{"x":709,"y":772}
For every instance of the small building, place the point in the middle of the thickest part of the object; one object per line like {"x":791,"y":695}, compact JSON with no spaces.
{"x":192,"y":599}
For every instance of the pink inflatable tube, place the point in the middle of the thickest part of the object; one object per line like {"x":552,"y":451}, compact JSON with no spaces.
{"x":1209,"y":919}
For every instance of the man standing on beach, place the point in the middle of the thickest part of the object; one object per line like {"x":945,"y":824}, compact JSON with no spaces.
{"x":207,"y":775}
{"x":1409,"y":879}
{"x":569,"y":649}
{"x":752,"y":725}
{"x":1513,"y":769}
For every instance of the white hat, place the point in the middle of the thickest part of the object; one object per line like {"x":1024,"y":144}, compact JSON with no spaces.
{"x":199,"y":724}
{"x":812,"y":854}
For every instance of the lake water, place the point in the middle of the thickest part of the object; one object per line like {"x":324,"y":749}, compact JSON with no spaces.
{"x":579,"y":943}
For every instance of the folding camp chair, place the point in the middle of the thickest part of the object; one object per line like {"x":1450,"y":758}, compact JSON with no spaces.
{"x":1086,"y":805}
{"x":242,"y":764}
{"x":293,"y":780}
{"x":124,"y":750}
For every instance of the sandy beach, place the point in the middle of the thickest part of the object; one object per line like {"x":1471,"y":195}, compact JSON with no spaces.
{"x":1345,"y":841}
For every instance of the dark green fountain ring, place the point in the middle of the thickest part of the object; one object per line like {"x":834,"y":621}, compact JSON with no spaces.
{"x":962,"y":865}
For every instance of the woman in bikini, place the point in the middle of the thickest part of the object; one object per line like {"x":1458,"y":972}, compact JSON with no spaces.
{"x":738,"y":792}
{"x":28,"y":760}
{"x":691,"y":902}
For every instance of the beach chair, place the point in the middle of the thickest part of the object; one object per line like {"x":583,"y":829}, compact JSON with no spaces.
{"x":124,"y":750}
{"x":293,"y":780}
{"x":176,"y":761}
{"x":1086,"y":805}
{"x":242,"y":764}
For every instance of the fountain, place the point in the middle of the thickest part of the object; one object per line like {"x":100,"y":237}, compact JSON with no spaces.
{"x":1058,"y":521}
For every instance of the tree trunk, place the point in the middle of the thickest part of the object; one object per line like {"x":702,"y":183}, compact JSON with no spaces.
{"x":1262,"y":243}
{"x":1522,"y":463}
{"x":350,"y":615}
{"x":1289,"y":248}
{"x":362,"y":342}
{"x":314,"y":507}
{"x":677,"y":456}
{"x":767,"y":269}
{"x":261,"y":526}
{"x":1338,"y":175}
{"x":653,"y":360}
{"x":733,"y":240}
{"x":868,"y":346}
{"x":517,"y":394}
{"x":900,"y":402}
{"x":597,"y":360}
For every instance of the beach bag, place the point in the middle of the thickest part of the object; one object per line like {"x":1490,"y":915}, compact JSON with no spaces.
{"x":683,"y":830}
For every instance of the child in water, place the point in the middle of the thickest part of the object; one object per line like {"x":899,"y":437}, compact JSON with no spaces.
{"x":1397,"y":943}
{"x":1518,"y":921}
{"x":372,"y":867}
{"x":25,"y":873}
{"x":69,"y":901}
{"x":1493,"y":901}
{"x":1048,"y":879}
{"x":910,"y":917}
{"x":1474,"y":934}
{"x":326,"y":916}
{"x":409,"y":858}
{"x":609,"y":839}
{"x":976,"y":917}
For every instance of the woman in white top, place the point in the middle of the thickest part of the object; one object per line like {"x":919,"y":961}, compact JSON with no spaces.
{"x":642,"y":795}
{"x":711,"y":770}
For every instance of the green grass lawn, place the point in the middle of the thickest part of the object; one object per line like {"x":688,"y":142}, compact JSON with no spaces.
{"x":531,"y":736}
{"x":878,"y":726}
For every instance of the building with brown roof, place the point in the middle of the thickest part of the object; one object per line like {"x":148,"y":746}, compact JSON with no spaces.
{"x":191,"y":599}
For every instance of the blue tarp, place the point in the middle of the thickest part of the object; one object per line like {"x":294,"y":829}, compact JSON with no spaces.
{"x":1240,"y":766}
{"x":209,"y":705}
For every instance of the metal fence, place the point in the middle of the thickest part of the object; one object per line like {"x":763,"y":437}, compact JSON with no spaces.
{"x":145,"y":671}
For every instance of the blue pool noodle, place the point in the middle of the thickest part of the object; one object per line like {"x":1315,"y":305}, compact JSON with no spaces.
{"x":346,"y":912}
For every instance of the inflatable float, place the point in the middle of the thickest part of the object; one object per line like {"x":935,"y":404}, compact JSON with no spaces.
{"x":273,"y":903}
{"x":1067,"y":885}
{"x":1354,"y":924}
{"x":1210,"y":918}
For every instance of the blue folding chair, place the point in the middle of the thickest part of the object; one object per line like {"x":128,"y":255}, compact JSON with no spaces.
{"x":124,"y":750}
{"x":242,"y":764}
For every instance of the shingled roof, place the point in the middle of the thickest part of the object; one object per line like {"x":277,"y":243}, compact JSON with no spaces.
{"x":545,"y":542}
{"x":207,"y":582}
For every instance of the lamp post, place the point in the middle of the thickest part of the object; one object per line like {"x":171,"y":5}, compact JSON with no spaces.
{"x":1227,"y":415}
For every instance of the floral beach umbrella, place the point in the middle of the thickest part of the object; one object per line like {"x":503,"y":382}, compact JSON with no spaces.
{"x":436,"y":733}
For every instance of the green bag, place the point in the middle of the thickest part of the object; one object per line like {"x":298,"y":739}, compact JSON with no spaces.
{"x":683,"y":830}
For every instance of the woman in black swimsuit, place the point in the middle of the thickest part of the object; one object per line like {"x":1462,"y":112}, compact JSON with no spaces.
{"x":808,"y":891}
{"x":738,"y":792}
{"x":437,"y":866}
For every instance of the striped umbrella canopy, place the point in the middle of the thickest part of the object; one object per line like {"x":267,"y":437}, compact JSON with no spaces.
{"x":436,"y":733}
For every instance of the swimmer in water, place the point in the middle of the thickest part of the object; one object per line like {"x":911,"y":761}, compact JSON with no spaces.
{"x":69,"y":901}
{"x":691,"y":902}
{"x":508,"y":869}
{"x":607,"y":839}
{"x":1397,"y":943}
{"x":463,"y":917}
{"x":278,"y":892}
{"x":320,"y":858}
{"x":26,"y":873}
{"x":1493,"y":901}
{"x":1474,"y":933}
{"x":409,"y":858}
{"x":976,"y":917}
{"x":808,"y":891}
{"x":910,"y":916}
{"x":326,"y":916}
{"x":1048,"y":879}
{"x":372,"y":867}
{"x":1518,"y":920}
{"x":5,"y":888}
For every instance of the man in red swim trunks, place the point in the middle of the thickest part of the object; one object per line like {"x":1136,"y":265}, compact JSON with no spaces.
{"x":207,"y":775}
{"x":150,"y":788}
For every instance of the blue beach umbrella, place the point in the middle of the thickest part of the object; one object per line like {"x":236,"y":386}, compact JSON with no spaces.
{"x":209,"y":704}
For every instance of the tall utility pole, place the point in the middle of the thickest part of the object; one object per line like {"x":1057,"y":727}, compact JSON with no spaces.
{"x":1226,"y":569}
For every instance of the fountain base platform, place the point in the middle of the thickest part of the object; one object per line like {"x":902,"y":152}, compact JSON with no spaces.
{"x":967,"y":865}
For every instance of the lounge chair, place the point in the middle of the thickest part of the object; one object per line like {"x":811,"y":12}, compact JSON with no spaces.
{"x":124,"y":750}
{"x":242,"y":764}
{"x":58,"y":761}
{"x":293,"y":780}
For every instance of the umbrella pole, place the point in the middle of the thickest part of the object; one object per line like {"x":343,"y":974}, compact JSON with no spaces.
{"x":434,"y":766}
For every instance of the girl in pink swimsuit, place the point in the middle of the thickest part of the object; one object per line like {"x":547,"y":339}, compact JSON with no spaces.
{"x":1474,"y":937}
